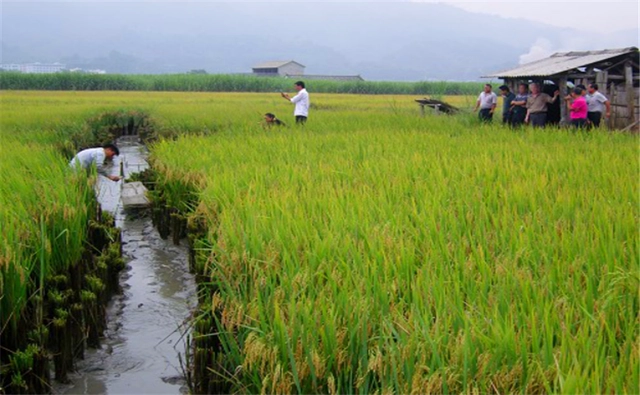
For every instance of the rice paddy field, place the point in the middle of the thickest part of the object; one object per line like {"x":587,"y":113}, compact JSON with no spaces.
{"x":374,"y":250}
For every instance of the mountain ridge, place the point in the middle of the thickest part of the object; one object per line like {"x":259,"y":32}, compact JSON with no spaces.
{"x":402,"y":41}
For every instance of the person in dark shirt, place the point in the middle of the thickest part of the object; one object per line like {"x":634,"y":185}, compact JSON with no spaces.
{"x":271,"y":120}
{"x":519,"y":106}
{"x":507,"y":98}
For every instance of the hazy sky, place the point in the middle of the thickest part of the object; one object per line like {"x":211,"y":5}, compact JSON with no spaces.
{"x":380,"y":39}
{"x":600,"y":16}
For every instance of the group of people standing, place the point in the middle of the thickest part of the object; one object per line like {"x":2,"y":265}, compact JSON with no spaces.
{"x":530,"y":105}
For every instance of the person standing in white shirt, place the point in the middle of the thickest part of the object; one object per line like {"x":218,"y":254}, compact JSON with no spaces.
{"x":301,"y":101}
{"x":597,"y":103}
{"x":103,"y":158}
{"x":487,"y":101}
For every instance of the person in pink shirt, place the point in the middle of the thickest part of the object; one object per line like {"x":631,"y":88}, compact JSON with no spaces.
{"x":577,"y":106}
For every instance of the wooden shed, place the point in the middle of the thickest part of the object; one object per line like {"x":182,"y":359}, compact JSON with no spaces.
{"x":614,"y":70}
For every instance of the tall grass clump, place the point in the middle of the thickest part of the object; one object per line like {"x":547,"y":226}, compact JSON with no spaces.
{"x":405,"y":256}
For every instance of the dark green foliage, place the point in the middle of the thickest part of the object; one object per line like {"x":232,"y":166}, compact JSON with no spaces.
{"x":108,"y":126}
{"x":196,"y":82}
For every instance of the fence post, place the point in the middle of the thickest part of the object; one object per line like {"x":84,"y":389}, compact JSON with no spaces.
{"x":562,"y":87}
{"x":601,"y":81}
{"x":630,"y":93}
{"x":614,"y":108}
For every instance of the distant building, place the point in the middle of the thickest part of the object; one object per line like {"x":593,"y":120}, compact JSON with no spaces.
{"x":278,"y":68}
{"x":294,"y":70}
{"x":32,"y":68}
{"x":10,"y":67}
{"x":43,"y":68}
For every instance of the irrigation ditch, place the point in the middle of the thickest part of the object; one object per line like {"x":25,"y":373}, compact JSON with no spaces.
{"x":200,"y":354}
{"x":176,"y":302}
{"x":145,"y":339}
{"x":207,"y":370}
{"x":98,"y":328}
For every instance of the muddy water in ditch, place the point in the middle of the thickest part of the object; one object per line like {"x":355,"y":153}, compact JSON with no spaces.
{"x":146,"y":330}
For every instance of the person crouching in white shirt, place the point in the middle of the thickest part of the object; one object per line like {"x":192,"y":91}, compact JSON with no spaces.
{"x":301,"y":100}
{"x":103,"y":158}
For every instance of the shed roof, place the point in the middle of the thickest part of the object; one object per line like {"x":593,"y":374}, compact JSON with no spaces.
{"x":274,"y":64}
{"x":326,"y":77}
{"x":562,"y":62}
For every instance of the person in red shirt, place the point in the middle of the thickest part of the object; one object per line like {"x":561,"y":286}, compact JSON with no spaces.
{"x":577,"y":106}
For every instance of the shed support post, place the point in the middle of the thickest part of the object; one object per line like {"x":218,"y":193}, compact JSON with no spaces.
{"x":601,"y":78}
{"x":614,"y":109}
{"x":422,"y":110}
{"x":601,"y":81}
{"x":630,"y":92}
{"x":562,"y":87}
